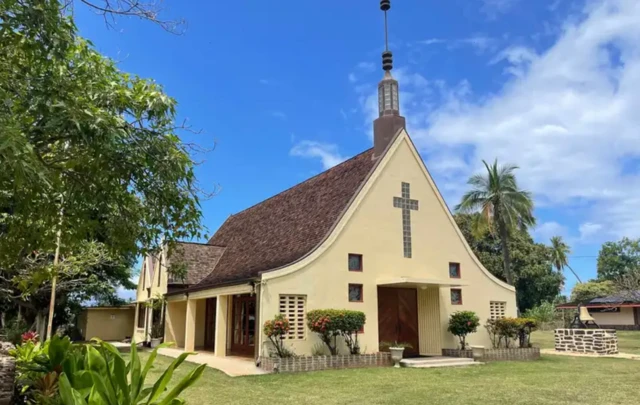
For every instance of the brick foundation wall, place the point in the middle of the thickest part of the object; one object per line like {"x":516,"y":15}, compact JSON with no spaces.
{"x":7,"y":374}
{"x":316,"y":363}
{"x":512,"y":354}
{"x":590,"y":341}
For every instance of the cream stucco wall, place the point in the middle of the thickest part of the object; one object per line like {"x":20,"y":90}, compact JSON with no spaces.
{"x":624,"y":317}
{"x":175,"y":322}
{"x":113,"y":324}
{"x":372,"y":226}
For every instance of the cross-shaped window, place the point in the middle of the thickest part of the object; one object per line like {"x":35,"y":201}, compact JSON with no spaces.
{"x":407,"y":205}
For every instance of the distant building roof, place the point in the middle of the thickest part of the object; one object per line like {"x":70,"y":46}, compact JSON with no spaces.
{"x":631,"y":299}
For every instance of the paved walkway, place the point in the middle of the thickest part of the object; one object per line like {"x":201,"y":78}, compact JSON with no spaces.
{"x":231,"y":366}
{"x":627,"y":356}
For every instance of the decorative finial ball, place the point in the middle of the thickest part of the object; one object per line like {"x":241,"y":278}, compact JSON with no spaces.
{"x":385,"y":5}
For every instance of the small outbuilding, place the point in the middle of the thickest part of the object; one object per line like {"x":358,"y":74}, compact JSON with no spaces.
{"x":107,"y":323}
{"x":612,"y":312}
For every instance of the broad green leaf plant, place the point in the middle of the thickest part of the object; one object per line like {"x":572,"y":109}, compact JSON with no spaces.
{"x":107,"y":379}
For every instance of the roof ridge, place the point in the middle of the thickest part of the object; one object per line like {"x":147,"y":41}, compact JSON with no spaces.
{"x":294,"y":186}
{"x":199,"y":243}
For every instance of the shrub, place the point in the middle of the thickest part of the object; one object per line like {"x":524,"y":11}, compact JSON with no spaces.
{"x":525,"y":327}
{"x":331,"y":323}
{"x":507,"y":329}
{"x":59,"y":372}
{"x":352,"y":323}
{"x":503,"y":332}
{"x":14,"y":329}
{"x":463,"y":323}
{"x":276,"y":329}
{"x":544,"y":314}
{"x":492,"y":329}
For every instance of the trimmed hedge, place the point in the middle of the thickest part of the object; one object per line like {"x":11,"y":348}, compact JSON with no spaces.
{"x":329,"y":324}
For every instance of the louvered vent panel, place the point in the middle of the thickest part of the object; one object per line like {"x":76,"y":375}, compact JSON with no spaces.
{"x":293,"y":308}
{"x":497,"y":309}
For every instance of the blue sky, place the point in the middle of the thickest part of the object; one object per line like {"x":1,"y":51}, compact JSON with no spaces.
{"x":285,"y":90}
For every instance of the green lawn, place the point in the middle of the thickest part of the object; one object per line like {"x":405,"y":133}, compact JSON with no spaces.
{"x":628,"y":341}
{"x":551,"y":380}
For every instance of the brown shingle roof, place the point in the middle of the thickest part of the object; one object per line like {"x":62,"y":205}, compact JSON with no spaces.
{"x":199,"y":258}
{"x":287,"y":226}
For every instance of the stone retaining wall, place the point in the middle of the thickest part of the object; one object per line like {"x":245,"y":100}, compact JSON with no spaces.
{"x":512,"y":354}
{"x":316,"y":363}
{"x":7,"y":374}
{"x":590,"y":341}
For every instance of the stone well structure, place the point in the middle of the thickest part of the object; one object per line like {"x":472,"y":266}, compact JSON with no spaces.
{"x":588,"y":341}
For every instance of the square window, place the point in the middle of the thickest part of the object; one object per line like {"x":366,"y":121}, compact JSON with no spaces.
{"x":456,"y":296}
{"x":355,"y":262}
{"x":454,"y":270}
{"x":355,"y":292}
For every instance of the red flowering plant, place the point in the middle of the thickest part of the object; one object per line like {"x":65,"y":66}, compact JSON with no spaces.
{"x":331,"y":323}
{"x":276,"y":329}
{"x":463,"y":323}
{"x":30,"y":336}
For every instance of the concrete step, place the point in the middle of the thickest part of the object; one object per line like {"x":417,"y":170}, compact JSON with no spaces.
{"x":439,"y":361}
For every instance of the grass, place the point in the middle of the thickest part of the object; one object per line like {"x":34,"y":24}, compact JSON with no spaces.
{"x":628,"y":341}
{"x":551,"y":380}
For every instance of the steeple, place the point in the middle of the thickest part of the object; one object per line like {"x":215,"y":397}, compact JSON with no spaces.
{"x":389,"y":120}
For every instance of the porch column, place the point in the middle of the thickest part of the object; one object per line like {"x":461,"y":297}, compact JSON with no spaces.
{"x":190,"y":326}
{"x":222,"y":323}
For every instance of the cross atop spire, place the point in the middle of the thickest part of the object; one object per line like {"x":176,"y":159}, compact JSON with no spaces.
{"x":389,"y":120}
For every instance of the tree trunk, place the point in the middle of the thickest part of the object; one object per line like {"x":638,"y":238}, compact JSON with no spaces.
{"x":574,"y":273}
{"x":40,"y":323}
{"x":506,"y":257}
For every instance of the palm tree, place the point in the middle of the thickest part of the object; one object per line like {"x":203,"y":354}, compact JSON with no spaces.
{"x":560,"y":252}
{"x":501,"y":204}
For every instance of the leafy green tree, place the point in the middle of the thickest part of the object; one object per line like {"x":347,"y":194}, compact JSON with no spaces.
{"x":534,"y":277}
{"x":462,"y":323}
{"x":560,"y":252}
{"x":584,"y":292}
{"x":615,"y":259}
{"x":503,"y":207}
{"x":89,"y":153}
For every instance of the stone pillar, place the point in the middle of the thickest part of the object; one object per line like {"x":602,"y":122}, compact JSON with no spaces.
{"x":190,"y":326}
{"x":222,"y":323}
{"x":7,"y":374}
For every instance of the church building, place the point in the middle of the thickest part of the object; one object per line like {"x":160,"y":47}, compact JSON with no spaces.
{"x":371,"y":234}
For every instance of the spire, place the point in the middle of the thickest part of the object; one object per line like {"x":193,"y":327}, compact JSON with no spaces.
{"x":389,"y":120}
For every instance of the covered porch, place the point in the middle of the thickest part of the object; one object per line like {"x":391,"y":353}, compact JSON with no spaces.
{"x":409,"y":311}
{"x":217,"y":322}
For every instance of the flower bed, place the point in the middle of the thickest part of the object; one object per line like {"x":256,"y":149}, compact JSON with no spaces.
{"x":512,"y":354}
{"x":316,"y":363}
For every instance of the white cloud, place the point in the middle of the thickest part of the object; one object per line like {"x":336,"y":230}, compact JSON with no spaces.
{"x":279,"y":115}
{"x":327,"y":153}
{"x":567,"y":115}
{"x":352,"y":77}
{"x":493,"y":8}
{"x":547,"y":230}
{"x":366,"y":66}
{"x":589,"y":229}
{"x":265,"y":82}
{"x":480,"y":42}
